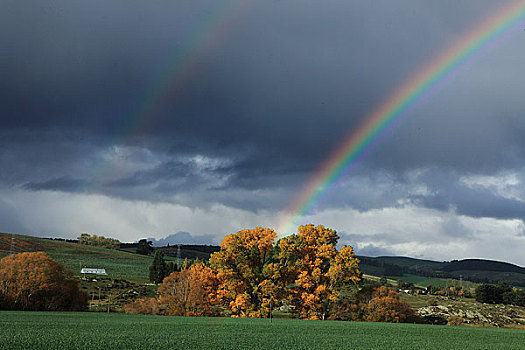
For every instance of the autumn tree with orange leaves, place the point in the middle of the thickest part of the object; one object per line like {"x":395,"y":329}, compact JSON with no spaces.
{"x":245,"y":277}
{"x":35,"y":281}
{"x":189,"y":292}
{"x":314,"y":271}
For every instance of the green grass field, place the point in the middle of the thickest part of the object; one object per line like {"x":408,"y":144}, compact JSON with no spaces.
{"x":40,"y":330}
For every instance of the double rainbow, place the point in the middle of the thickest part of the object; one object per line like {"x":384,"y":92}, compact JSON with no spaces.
{"x":413,"y":92}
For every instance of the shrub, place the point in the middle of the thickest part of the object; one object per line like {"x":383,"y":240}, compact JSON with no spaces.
{"x":387,"y":307}
{"x":35,"y":281}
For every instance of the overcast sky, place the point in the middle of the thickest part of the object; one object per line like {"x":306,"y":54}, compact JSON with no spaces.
{"x":199,"y":118}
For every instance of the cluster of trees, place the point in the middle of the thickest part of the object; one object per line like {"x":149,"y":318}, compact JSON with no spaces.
{"x":450,"y":291}
{"x":502,"y":293}
{"x":99,"y":241}
{"x":304,"y":269}
{"x":35,"y":281}
{"x":253,"y":274}
{"x":144,"y":247}
{"x":372,"y":303}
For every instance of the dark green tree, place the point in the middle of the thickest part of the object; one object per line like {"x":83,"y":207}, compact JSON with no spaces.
{"x":487,"y":293}
{"x":158,"y":269}
{"x":505,"y":293}
{"x":502,"y":293}
{"x":144,"y":247}
{"x":520,"y":298}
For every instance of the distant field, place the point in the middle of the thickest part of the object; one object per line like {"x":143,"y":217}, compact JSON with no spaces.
{"x":421,"y":281}
{"x":118,"y":264}
{"x":32,"y":330}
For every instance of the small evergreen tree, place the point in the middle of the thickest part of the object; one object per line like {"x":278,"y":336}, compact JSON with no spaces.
{"x":158,"y":269}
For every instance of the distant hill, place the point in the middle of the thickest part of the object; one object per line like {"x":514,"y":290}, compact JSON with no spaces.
{"x":481,"y":265}
{"x":475,"y":270}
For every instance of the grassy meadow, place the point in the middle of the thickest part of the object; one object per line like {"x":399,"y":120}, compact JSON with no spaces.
{"x":68,"y":330}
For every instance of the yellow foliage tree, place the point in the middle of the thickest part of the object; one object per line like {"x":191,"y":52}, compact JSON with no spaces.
{"x":243,"y":271}
{"x":312,"y":269}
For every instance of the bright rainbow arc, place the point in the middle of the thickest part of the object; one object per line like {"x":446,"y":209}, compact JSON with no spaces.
{"x":400,"y":103}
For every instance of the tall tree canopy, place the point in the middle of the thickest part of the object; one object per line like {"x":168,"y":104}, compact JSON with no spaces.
{"x":158,"y":269}
{"x":35,"y":281}
{"x":304,"y":268}
{"x":314,"y":270}
{"x":240,"y":269}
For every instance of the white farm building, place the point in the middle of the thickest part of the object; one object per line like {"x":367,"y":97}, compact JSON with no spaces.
{"x":93,"y":271}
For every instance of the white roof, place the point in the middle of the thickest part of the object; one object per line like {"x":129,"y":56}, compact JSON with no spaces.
{"x":95,"y":271}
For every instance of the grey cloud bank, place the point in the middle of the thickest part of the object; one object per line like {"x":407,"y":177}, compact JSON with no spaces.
{"x":263,"y":98}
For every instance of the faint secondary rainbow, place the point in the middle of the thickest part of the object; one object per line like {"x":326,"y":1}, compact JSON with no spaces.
{"x":172,"y":76}
{"x":409,"y":95}
{"x":178,"y":69}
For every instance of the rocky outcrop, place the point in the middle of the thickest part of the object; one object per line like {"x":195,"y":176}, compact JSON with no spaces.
{"x":474,"y":313}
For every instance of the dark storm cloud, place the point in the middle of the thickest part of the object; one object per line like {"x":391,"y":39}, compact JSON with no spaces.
{"x":473,"y":202}
{"x":267,"y":101}
{"x":188,"y":173}
{"x":435,"y":188}
{"x":287,"y":74}
{"x":64,"y":184}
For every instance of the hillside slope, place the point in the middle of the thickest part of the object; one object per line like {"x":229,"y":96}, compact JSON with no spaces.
{"x":118,"y":263}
